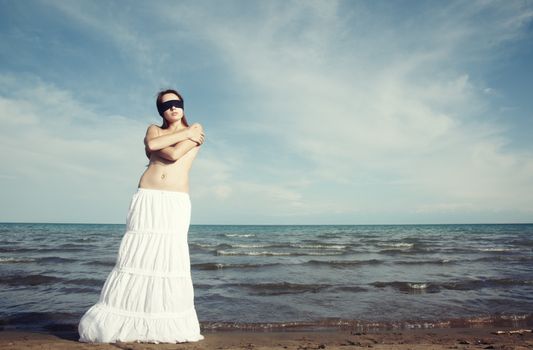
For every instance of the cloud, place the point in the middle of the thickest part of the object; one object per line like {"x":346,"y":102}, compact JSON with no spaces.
{"x":397,"y":105}
{"x":115,"y":26}
{"x":338,"y":111}
{"x":59,"y":149}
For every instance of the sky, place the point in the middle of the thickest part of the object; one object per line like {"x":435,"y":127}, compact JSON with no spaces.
{"x":315,"y":112}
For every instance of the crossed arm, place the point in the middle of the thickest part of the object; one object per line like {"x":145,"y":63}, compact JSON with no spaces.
{"x":174,"y":145}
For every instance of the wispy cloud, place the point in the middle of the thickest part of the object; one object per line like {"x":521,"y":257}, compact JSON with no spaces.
{"x":338,"y":110}
{"x":409,"y":114}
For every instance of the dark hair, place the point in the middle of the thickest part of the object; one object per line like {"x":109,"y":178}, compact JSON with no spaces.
{"x":158,"y":103}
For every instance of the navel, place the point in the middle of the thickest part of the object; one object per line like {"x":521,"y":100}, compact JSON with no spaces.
{"x":163,"y":176}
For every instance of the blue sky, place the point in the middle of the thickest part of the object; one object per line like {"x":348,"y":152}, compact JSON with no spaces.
{"x":315,"y":112}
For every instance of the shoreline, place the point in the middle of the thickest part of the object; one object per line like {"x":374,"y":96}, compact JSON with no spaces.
{"x":339,"y":324}
{"x":49,"y":323}
{"x":431,"y":339}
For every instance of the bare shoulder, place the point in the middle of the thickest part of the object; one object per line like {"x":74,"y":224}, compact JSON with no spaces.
{"x":152,"y":131}
{"x":153,"y":128}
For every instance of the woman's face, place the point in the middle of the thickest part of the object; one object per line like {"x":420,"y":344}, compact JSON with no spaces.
{"x":173,"y":113}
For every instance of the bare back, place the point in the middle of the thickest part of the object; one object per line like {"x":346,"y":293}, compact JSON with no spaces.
{"x":164,"y":174}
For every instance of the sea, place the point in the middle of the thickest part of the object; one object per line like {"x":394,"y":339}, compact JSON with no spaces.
{"x":270,"y":277}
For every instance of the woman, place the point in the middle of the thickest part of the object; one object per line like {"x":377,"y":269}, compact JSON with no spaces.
{"x":148,"y":296}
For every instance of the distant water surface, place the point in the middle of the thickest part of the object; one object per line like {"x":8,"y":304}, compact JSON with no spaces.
{"x":260,"y":276}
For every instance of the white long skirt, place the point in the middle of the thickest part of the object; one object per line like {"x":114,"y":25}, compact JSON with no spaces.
{"x":148,"y":296}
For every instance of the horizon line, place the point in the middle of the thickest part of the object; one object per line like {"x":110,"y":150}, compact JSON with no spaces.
{"x":368,"y":224}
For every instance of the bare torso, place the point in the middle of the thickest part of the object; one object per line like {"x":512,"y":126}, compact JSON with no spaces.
{"x":164,"y":174}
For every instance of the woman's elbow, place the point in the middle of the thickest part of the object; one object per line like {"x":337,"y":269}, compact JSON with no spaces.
{"x":150,"y":146}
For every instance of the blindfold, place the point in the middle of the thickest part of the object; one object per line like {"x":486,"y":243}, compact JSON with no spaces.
{"x":166,"y":105}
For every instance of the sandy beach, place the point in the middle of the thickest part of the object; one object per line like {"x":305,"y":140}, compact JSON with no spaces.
{"x":431,"y":339}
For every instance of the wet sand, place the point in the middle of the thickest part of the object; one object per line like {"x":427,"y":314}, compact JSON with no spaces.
{"x":431,"y":339}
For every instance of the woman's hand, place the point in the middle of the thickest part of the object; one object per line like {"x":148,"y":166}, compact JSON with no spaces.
{"x":196,"y":133}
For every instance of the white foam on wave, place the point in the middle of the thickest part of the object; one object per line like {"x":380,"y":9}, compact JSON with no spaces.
{"x":290,"y":245}
{"x":239,"y":235}
{"x":417,"y":285}
{"x":271,"y":253}
{"x":250,"y":245}
{"x":498,"y":249}
{"x":319,"y":246}
{"x":252,"y":253}
{"x":400,"y":245}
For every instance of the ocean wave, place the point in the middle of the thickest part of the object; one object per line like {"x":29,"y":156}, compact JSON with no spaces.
{"x":498,"y":249}
{"x":251,"y":245}
{"x":462,"y":285}
{"x":101,"y":262}
{"x":508,"y":258}
{"x":28,"y":280}
{"x":69,"y":290}
{"x":328,"y":236}
{"x":323,"y":246}
{"x":331,"y":263}
{"x":485,"y":283}
{"x":292,"y":245}
{"x":252,"y":253}
{"x":219,"y":266}
{"x":344,"y":263}
{"x":418,"y":285}
{"x":85,"y":239}
{"x":89,"y":282}
{"x":409,"y":287}
{"x":425,"y":262}
{"x":209,"y":246}
{"x":55,"y":259}
{"x":2,"y":242}
{"x":279,"y":288}
{"x":318,"y":246}
{"x":72,"y":245}
{"x":61,"y":249}
{"x":15,"y":249}
{"x":397,"y":245}
{"x":243,"y":235}
{"x":272,"y":253}
{"x":481,"y":250}
{"x":406,"y":251}
{"x":522,"y":242}
{"x":15,"y":260}
{"x":350,"y":289}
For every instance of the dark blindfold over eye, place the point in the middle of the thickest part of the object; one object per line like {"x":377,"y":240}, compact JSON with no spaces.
{"x":166,"y":105}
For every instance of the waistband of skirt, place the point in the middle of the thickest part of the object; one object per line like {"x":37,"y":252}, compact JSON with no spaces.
{"x":165,"y":192}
